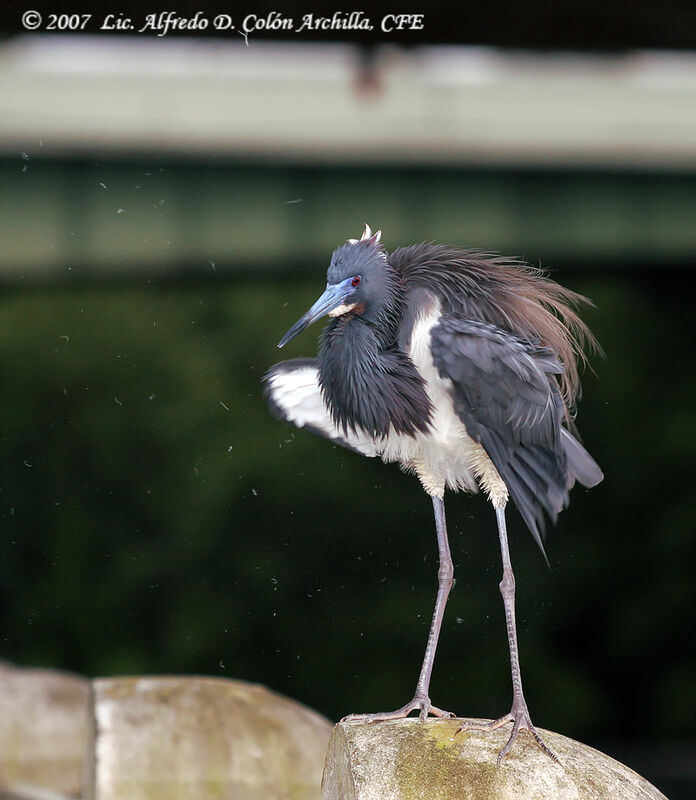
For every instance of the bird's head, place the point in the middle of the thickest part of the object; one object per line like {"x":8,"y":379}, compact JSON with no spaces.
{"x":357,"y":282}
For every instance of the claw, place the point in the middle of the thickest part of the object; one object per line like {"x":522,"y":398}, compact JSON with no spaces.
{"x":519,"y":716}
{"x":419,"y":702}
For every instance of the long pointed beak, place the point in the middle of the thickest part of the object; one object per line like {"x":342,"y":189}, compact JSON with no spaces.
{"x":334,"y":296}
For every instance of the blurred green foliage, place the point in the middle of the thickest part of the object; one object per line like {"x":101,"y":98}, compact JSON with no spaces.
{"x":157,"y":519}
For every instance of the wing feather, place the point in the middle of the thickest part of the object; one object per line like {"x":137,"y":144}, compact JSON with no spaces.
{"x":293,"y":393}
{"x":506,"y":392}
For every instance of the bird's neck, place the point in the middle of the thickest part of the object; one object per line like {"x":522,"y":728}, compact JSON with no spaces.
{"x":368,"y":382}
{"x":384,"y":312}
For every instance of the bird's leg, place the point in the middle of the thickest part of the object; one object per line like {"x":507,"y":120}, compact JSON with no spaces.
{"x":519,"y":714}
{"x":445,"y":579}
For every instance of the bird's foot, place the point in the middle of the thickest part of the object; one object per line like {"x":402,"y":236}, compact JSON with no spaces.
{"x":519,"y":716}
{"x":420,"y":702}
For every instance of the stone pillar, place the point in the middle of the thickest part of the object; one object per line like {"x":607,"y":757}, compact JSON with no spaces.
{"x":412,"y":760}
{"x":183,"y":738}
{"x":146,"y":738}
{"x":44,"y":722}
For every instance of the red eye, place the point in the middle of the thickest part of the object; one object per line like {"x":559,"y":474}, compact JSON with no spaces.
{"x":356,"y":280}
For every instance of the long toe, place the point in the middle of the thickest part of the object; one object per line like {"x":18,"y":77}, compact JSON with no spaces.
{"x":434,"y":711}
{"x":519,"y":716}
{"x":420,"y":704}
{"x":470,"y":725}
{"x":400,"y":713}
{"x":541,"y":744}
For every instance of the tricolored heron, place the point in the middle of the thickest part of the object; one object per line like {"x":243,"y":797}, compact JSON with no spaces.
{"x":462,"y":367}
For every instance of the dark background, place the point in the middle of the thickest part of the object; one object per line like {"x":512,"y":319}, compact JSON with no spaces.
{"x":588,"y":25}
{"x":156,"y":519}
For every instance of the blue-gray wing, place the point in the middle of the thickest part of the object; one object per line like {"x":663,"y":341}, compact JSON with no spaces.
{"x":505,"y":391}
{"x":292,"y":389}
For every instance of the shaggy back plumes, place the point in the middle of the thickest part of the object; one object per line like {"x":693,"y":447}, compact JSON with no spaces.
{"x":507,"y":293}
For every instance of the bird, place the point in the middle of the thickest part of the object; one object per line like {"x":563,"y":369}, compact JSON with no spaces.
{"x":462,"y":367}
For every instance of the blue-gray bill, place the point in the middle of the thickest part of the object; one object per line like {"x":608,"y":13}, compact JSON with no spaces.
{"x":334,"y":296}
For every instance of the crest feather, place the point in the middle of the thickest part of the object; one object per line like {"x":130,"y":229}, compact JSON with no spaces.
{"x":367,"y":236}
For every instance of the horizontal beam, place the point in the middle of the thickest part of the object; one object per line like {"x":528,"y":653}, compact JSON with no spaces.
{"x":80,"y":218}
{"x":338,"y":103}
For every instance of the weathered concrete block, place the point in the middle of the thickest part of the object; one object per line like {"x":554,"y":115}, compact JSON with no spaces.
{"x":44,"y":722}
{"x":413,"y":760}
{"x":182,"y":738}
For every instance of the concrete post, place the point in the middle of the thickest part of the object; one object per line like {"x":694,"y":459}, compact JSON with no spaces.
{"x":413,"y":760}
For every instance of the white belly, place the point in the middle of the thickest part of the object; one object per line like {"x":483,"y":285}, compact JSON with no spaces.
{"x":445,"y":456}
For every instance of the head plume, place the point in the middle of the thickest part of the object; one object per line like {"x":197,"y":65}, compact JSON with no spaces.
{"x":367,"y":236}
